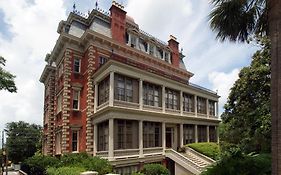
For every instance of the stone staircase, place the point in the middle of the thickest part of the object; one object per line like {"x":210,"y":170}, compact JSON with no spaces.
{"x":191,"y":160}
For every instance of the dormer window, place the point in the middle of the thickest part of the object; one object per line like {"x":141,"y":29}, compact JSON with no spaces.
{"x":167,"y":57}
{"x":142,"y":45}
{"x":133,"y":41}
{"x":159,"y":53}
{"x":151,"y":49}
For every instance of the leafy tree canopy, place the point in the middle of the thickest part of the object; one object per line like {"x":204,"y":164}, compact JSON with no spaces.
{"x":6,"y":78}
{"x":236,"y":20}
{"x":247,"y":119}
{"x":23,"y":140}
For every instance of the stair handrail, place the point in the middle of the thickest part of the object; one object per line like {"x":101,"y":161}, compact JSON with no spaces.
{"x":202,"y":156}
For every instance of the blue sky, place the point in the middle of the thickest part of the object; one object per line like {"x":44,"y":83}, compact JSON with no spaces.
{"x":28,"y":32}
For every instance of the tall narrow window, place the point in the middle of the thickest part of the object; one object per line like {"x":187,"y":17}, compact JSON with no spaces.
{"x":201,"y":105}
{"x":126,"y":134}
{"x":188,"y":102}
{"x":151,"y":49}
{"x":172,"y":99}
{"x":76,"y":67}
{"x":59,"y":103}
{"x":75,"y":101}
{"x":188,"y":134}
{"x":74,"y":141}
{"x":212,"y":134}
{"x":103,"y":91}
{"x":103,"y":136}
{"x":212,"y":108}
{"x":202,"y":133}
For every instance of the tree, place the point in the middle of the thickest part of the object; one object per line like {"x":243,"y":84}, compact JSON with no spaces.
{"x":236,"y":20}
{"x":23,"y":140}
{"x":6,"y":78}
{"x":246,"y":121}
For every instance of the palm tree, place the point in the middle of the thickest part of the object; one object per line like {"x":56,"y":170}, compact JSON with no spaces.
{"x":237,"y":20}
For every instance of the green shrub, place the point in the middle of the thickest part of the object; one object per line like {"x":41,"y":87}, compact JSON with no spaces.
{"x":98,"y":164}
{"x":209,"y":149}
{"x":73,"y":159}
{"x":239,"y":163}
{"x":65,"y":171}
{"x":37,"y":164}
{"x":155,"y":169}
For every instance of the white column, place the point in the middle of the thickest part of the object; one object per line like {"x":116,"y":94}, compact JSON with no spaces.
{"x":208,"y":133}
{"x":196,"y":133}
{"x":217,"y":109}
{"x":141,"y":94}
{"x":195,"y":105}
{"x":181,"y":135}
{"x":129,"y":40}
{"x":95,"y":139}
{"x":207,"y":106}
{"x":164,"y":137}
{"x":111,"y":140}
{"x":163,"y":99}
{"x":181,"y":102}
{"x":96,"y":98}
{"x":141,"y":138}
{"x":148,"y":48}
{"x":111,"y":88}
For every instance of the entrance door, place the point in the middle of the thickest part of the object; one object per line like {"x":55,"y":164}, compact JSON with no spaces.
{"x":169,"y":137}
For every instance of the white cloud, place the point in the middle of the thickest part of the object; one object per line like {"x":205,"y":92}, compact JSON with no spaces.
{"x":222,"y":82}
{"x":33,"y":26}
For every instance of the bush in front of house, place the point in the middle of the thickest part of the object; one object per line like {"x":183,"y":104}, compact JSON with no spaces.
{"x":65,"y":170}
{"x":38,"y":164}
{"x":155,"y":169}
{"x":209,"y":149}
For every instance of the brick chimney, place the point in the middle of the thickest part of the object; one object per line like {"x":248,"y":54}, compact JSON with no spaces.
{"x":174,"y":45}
{"x":118,"y":21}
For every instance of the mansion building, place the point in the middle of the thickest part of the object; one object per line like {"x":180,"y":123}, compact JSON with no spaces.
{"x":112,"y":90}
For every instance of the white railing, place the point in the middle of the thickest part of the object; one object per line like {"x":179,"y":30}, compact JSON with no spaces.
{"x":184,"y":161}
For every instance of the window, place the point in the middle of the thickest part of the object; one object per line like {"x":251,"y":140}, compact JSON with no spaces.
{"x":201,"y":105}
{"x":152,"y":134}
{"x":75,"y":100}
{"x":133,"y":41}
{"x":59,"y":103}
{"x":126,"y":89}
{"x":172,"y":99}
{"x":212,"y":108}
{"x":212,"y":134}
{"x":60,"y":69}
{"x":188,"y":134}
{"x":202,"y":133}
{"x":75,"y":141}
{"x":102,"y":60}
{"x":152,"y":95}
{"x":188,"y":102}
{"x":103,"y":136}
{"x":126,"y":134}
{"x":167,"y":57}
{"x":142,"y":45}
{"x":103,"y":91}
{"x":151,"y":49}
{"x":76,"y":67}
{"x":159,"y":53}
{"x":58,"y":142}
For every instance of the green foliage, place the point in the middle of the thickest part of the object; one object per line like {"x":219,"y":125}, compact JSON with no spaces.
{"x":246,"y":121}
{"x":209,"y":149}
{"x":238,"y":163}
{"x":23,"y":140}
{"x":137,"y":173}
{"x":7,"y":81}
{"x":65,"y":170}
{"x":238,"y":20}
{"x":155,"y":169}
{"x":39,"y":164}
